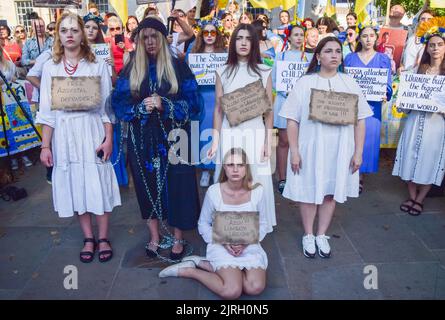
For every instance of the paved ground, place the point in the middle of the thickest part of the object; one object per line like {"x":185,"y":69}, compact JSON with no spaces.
{"x":408,"y":252}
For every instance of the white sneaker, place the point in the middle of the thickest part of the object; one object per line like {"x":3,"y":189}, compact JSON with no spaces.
{"x":26,"y":161}
{"x":172,"y":271}
{"x":196,"y":259}
{"x":324,"y":250}
{"x":14,"y":164}
{"x":205,"y":179}
{"x":309,"y":246}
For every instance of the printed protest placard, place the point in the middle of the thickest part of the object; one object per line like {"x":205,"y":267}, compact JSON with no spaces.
{"x":75,"y":93}
{"x":419,"y":92}
{"x":372,"y":81}
{"x":288,"y":73}
{"x":245,"y":103}
{"x":331,"y":107}
{"x":235,"y":227}
{"x":102,"y":52}
{"x":391,"y":43}
{"x":204,"y":66}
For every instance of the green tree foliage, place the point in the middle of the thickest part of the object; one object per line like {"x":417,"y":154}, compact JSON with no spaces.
{"x":411,"y":6}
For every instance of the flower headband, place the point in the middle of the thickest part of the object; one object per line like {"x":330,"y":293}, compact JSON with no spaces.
{"x":90,"y":16}
{"x":362,"y":26}
{"x":288,"y":30}
{"x":433,"y":27}
{"x":209,"y":20}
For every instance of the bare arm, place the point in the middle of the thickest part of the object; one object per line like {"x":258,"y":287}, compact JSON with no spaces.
{"x":268,"y":121}
{"x":217,"y":117}
{"x":35,"y":81}
{"x":359,"y":138}
{"x":293,"y":131}
{"x":46,"y":155}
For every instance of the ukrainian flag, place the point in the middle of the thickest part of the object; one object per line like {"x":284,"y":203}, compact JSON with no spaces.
{"x":330,"y":8}
{"x":360,"y":10}
{"x":121,"y":8}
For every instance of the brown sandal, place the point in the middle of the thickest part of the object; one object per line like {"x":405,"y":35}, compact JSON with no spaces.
{"x":406,"y":207}
{"x":413,"y":211}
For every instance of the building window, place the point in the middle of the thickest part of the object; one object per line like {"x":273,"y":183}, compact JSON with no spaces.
{"x":102,"y":5}
{"x":22,"y":8}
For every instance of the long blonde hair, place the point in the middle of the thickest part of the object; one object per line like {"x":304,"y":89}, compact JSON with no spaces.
{"x":164,"y":66}
{"x":59,"y":50}
{"x":248,"y":179}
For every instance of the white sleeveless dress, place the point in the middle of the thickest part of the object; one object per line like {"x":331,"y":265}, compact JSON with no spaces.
{"x":248,"y":135}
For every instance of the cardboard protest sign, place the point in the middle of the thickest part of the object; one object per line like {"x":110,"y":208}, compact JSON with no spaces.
{"x":419,"y":91}
{"x":372,"y":81}
{"x":288,"y":72}
{"x":102,"y":52}
{"x":245,"y":103}
{"x":204,"y":66}
{"x":75,"y":93}
{"x":235,"y":227}
{"x":391,"y":42}
{"x":331,"y":107}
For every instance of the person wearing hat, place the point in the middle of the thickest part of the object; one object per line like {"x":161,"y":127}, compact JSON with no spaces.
{"x":156,"y":93}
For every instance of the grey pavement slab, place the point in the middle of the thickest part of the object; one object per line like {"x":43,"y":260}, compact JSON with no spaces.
{"x":409,"y":252}
{"x":22,"y":251}
{"x":385,"y":238}
{"x":94,"y":279}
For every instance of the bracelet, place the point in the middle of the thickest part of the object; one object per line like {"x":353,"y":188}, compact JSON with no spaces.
{"x":45,"y":147}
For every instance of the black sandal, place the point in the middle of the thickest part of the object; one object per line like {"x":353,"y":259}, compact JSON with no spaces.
{"x":179,"y":255}
{"x":405,"y":207}
{"x":88,"y":256}
{"x":108,"y":253}
{"x":414,"y":212}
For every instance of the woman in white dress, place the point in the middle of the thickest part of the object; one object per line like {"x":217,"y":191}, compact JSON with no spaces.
{"x":229,"y":270}
{"x":420,"y":158}
{"x":83,"y":180}
{"x":253,"y":136}
{"x":296,"y":41}
{"x":324,"y":158}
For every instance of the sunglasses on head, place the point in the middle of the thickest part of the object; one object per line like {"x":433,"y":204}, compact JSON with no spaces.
{"x":206,"y":33}
{"x":117,"y":29}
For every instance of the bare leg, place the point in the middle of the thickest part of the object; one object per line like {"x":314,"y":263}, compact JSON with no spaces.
{"x":254,"y":281}
{"x":177,"y":247}
{"x":308,"y":212}
{"x":325,"y":213}
{"x":412,"y":190}
{"x":87,"y":228}
{"x":282,"y":152}
{"x":102,"y":223}
{"x":153,"y":226}
{"x":226,"y":282}
{"x":423,"y":191}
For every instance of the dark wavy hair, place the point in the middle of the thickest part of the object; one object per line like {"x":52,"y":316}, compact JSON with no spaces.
{"x":359,"y":46}
{"x":425,"y":61}
{"x":313,"y":66}
{"x":254,"y":56}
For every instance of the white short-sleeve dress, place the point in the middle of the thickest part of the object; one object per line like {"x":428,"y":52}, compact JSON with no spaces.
{"x":253,"y":255}
{"x":326,"y":150}
{"x":81,"y":182}
{"x":248,"y":135}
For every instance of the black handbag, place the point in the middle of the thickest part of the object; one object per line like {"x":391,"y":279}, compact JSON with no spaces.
{"x":13,"y":193}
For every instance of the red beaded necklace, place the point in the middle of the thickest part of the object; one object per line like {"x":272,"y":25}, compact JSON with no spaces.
{"x":69,"y":69}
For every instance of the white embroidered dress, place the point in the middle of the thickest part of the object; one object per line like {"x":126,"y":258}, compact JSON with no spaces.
{"x":81,"y":182}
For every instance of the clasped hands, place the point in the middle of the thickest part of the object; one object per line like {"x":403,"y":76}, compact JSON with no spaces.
{"x":153,"y":102}
{"x":235,"y":249}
